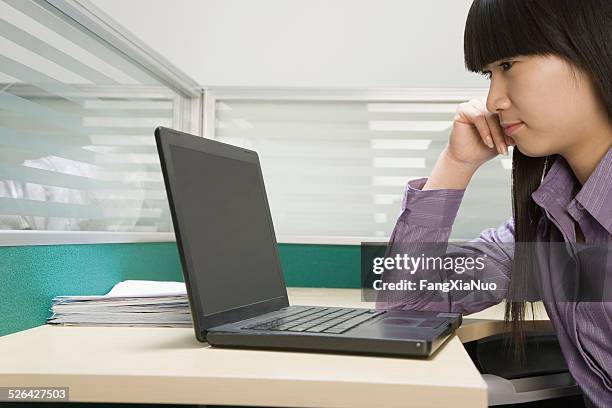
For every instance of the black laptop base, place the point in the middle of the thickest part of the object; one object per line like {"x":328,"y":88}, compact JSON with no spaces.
{"x":392,"y":333}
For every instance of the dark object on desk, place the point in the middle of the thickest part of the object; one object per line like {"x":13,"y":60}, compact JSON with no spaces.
{"x":543,"y":356}
{"x":232,"y":270}
{"x":540,"y":379}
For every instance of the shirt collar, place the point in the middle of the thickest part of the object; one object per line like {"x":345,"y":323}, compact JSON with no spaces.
{"x":595,"y":195}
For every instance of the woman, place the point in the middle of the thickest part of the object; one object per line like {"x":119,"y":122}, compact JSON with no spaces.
{"x":550,"y":96}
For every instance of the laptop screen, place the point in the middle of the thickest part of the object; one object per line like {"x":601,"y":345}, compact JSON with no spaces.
{"x":226,"y":230}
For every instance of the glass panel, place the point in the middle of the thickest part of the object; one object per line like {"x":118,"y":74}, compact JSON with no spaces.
{"x":76,"y":129}
{"x":340,"y":168}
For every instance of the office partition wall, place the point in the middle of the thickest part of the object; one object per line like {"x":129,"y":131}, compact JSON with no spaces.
{"x":77,"y":114}
{"x":336,"y":162}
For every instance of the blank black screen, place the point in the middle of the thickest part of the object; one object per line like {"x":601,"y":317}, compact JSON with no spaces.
{"x":225,"y":230}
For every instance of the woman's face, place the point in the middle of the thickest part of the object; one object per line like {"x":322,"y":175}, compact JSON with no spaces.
{"x":553,"y":105}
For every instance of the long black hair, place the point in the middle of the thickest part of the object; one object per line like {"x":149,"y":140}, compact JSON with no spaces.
{"x":579,"y":32}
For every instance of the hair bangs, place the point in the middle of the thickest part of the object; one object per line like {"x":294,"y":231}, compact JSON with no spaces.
{"x":501,"y":29}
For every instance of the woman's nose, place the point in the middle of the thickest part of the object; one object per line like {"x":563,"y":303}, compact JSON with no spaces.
{"x":497,"y":99}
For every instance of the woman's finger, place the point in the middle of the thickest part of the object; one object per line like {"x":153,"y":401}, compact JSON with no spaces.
{"x":499,"y":137}
{"x":477,"y":118}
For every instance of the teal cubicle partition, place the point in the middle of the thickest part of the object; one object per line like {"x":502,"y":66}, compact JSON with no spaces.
{"x":31,"y":275}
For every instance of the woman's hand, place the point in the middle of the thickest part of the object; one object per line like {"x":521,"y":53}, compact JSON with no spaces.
{"x":476,"y":136}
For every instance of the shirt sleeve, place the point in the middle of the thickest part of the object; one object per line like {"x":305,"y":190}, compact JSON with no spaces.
{"x":424,"y":227}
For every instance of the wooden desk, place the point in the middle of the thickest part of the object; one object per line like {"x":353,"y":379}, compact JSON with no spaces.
{"x":168,"y":365}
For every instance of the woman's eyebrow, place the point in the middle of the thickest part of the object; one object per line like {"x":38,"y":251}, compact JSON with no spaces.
{"x":488,"y":66}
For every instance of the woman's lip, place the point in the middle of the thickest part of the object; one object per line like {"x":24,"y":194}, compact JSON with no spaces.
{"x":513,"y":128}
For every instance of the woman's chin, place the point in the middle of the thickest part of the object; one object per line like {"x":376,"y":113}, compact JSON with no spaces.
{"x":528,"y":152}
{"x":533,"y":151}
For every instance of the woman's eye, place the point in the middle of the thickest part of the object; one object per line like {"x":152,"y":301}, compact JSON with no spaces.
{"x":506,"y":65}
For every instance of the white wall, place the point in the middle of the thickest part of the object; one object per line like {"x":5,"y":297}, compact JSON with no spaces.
{"x":319,"y":43}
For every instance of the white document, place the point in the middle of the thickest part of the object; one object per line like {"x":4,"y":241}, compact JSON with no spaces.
{"x":131,"y":303}
{"x":137,"y":288}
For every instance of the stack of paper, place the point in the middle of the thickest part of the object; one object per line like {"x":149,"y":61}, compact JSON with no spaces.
{"x":129,"y":303}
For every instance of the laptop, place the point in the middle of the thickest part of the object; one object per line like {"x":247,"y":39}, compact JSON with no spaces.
{"x":230,"y":261}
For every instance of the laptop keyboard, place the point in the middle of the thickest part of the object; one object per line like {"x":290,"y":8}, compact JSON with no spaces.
{"x":317,"y":320}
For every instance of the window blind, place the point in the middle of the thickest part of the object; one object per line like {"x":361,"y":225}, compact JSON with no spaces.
{"x":339,"y":168}
{"x":76,"y":128}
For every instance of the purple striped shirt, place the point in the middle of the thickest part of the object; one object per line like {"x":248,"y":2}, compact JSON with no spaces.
{"x":583,"y":328}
